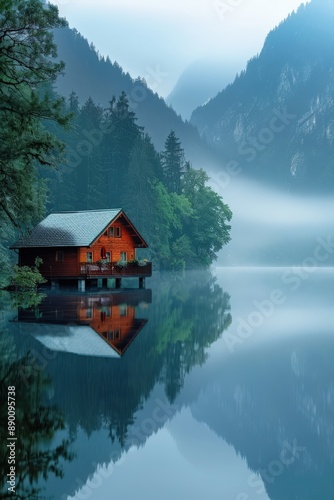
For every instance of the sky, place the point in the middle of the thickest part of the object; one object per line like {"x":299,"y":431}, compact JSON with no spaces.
{"x":158,"y":40}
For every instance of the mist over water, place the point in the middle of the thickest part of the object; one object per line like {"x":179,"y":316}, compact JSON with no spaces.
{"x":273,"y":227}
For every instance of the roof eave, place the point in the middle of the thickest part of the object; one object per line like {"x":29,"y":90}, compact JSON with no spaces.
{"x":144,"y":245}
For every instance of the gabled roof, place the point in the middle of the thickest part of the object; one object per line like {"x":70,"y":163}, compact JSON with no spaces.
{"x":75,"y":339}
{"x":68,"y":229}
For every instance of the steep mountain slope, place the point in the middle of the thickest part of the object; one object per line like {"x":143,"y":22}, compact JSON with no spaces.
{"x":92,"y":76}
{"x":199,"y":82}
{"x":276,"y":120}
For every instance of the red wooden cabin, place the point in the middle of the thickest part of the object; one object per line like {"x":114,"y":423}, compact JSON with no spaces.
{"x":85,"y":245}
{"x":70,"y":323}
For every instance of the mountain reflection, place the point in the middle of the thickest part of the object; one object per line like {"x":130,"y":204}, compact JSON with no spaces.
{"x":273,"y":403}
{"x":275,"y":406}
{"x":97,"y":393}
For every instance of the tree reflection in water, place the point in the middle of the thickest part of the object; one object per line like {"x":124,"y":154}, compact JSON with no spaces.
{"x":36,"y":422}
{"x":186,"y":316}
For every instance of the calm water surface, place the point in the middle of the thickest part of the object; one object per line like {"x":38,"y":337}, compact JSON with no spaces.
{"x":211,"y":386}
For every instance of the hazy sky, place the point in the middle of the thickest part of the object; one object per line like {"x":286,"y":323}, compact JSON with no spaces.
{"x":158,"y":40}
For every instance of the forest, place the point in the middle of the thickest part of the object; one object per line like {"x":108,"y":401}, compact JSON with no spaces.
{"x":58,"y":155}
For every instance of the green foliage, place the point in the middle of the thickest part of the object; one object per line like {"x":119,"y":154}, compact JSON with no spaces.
{"x":109,"y":161}
{"x":183,"y":220}
{"x":122,"y":263}
{"x":27,"y":69}
{"x":173,"y":163}
{"x":208,"y":228}
{"x":27,"y":299}
{"x":27,"y":103}
{"x":27,"y":277}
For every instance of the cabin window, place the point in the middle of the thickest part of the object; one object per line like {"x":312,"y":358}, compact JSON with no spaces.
{"x":108,"y":256}
{"x":124,"y":256}
{"x":117,"y":334}
{"x":111,"y":335}
{"x":60,"y":256}
{"x":115,"y":232}
{"x":89,"y":257}
{"x":89,"y":313}
{"x":123,"y":310}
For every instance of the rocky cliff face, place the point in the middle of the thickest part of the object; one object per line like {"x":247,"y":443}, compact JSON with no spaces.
{"x":277,"y":118}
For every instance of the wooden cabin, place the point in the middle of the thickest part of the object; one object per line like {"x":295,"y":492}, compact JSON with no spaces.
{"x":87,"y":324}
{"x":84,"y":246}
{"x":117,"y":324}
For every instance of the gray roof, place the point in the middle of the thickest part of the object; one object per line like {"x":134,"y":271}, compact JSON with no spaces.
{"x":75,"y":339}
{"x":67,"y":229}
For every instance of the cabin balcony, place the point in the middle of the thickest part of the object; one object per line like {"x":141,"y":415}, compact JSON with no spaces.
{"x":115,"y":269}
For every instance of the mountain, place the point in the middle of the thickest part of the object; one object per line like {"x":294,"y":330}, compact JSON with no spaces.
{"x":276,"y":120}
{"x":90,"y":75}
{"x":198,"y":83}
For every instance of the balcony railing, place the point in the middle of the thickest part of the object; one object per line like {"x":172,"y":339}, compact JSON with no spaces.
{"x":129,"y":269}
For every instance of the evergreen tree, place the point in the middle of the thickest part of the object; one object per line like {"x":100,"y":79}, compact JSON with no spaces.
{"x":139,"y":193}
{"x":120,"y":134}
{"x":27,"y":69}
{"x":153,"y":158}
{"x":26,"y":62}
{"x":89,"y":173}
{"x":173,"y":163}
{"x":73,"y":102}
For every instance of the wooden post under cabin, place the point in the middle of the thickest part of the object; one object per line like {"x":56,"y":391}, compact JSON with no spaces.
{"x":141,"y":282}
{"x":81,"y":285}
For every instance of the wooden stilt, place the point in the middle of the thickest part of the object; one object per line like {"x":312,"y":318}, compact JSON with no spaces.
{"x":81,"y":285}
{"x":141,"y":282}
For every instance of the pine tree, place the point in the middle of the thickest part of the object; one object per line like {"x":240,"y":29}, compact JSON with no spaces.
{"x":27,"y":70}
{"x":121,"y":132}
{"x":26,"y":60}
{"x":139,"y":192}
{"x":73,"y":102}
{"x":173,"y":163}
{"x":89,"y":173}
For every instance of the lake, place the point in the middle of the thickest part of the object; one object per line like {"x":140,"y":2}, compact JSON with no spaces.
{"x":212,"y":385}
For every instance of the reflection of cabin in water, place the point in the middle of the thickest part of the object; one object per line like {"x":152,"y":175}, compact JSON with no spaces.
{"x":85,"y":246}
{"x":70,"y":323}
